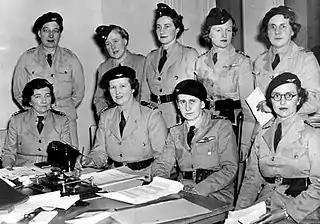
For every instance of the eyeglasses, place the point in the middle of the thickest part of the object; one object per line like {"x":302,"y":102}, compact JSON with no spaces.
{"x":288,"y":96}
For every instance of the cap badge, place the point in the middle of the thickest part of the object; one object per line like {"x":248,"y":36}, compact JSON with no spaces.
{"x":119,"y":75}
{"x":291,"y":80}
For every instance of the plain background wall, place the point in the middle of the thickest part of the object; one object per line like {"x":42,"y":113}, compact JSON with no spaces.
{"x":81,"y":17}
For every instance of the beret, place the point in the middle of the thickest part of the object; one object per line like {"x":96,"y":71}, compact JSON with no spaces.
{"x":103,"y":31}
{"x":191,"y":87}
{"x":46,"y":18}
{"x":281,"y":10}
{"x":165,"y":10}
{"x":281,"y":79}
{"x":117,"y":73}
{"x":218,"y":16}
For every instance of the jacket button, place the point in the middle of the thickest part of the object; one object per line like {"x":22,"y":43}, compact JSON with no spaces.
{"x":120,"y":154}
{"x":39,"y":149}
{"x":160,"y":90}
{"x":176,"y":77}
{"x":274,"y":188}
{"x":272,"y":159}
{"x":159,"y":78}
{"x":52,"y":75}
{"x":39,"y":140}
{"x":295,"y":156}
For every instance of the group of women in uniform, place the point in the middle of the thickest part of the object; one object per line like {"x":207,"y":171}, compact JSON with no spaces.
{"x":172,"y":123}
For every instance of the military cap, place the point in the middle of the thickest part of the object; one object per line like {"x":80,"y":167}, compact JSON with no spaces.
{"x":165,"y":10}
{"x":218,"y":16}
{"x":117,"y":73}
{"x":103,"y":31}
{"x":191,"y":87}
{"x":281,"y":10}
{"x":281,"y":79}
{"x":46,"y":18}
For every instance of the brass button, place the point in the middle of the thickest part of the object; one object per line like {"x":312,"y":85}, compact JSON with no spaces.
{"x":159,"y":78}
{"x":39,"y":149}
{"x":272,"y":159}
{"x":295,"y":156}
{"x":160,"y":90}
{"x":39,"y":140}
{"x":52,"y":75}
{"x":176,"y":77}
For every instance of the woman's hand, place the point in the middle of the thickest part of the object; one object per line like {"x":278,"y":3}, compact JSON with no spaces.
{"x":271,"y":217}
{"x":262,"y":106}
{"x":88,"y":162}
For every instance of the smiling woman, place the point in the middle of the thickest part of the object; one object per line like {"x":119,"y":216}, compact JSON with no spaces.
{"x":128,"y":134}
{"x":30,"y":131}
{"x":168,"y":65}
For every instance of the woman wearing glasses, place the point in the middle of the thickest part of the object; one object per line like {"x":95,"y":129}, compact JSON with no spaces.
{"x":280,"y":28}
{"x":283,"y":168}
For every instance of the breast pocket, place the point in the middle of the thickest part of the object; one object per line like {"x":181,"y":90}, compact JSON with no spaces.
{"x":300,"y":156}
{"x":229,"y":80}
{"x":35,"y":71}
{"x":63,"y":82}
{"x":63,"y":74}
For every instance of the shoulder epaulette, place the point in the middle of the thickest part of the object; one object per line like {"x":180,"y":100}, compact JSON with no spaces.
{"x":19,"y":112}
{"x":151,"y":105}
{"x":104,"y":109}
{"x":30,"y":50}
{"x":153,"y":50}
{"x":309,"y":123}
{"x":203,"y":54}
{"x":58,"y":112}
{"x":213,"y":116}
{"x":242,"y":53}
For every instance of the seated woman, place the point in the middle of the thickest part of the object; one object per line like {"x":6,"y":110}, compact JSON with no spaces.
{"x":204,"y":147}
{"x":284,"y":169}
{"x":129,"y":134}
{"x":30,"y":131}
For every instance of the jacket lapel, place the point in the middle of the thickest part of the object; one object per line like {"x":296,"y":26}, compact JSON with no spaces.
{"x":114,"y":124}
{"x":48,"y":124}
{"x":155,"y":62}
{"x":31,"y":123}
{"x":204,"y":127}
{"x":175,"y":55}
{"x":131,"y":124}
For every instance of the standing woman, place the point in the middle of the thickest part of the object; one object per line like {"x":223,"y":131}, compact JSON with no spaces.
{"x":30,"y":131}
{"x":280,"y":28}
{"x":115,"y":40}
{"x":168,"y":65}
{"x":284,"y":169}
{"x":226,"y":73}
{"x":129,"y":134}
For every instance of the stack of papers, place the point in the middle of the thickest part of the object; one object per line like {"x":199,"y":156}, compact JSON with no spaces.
{"x":47,"y":201}
{"x":160,"y":212}
{"x":109,"y":176}
{"x":20,"y":171}
{"x":248,"y":215}
{"x":89,"y":217}
{"x":159,"y":187}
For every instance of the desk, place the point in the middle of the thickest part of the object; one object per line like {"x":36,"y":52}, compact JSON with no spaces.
{"x":218,"y":209}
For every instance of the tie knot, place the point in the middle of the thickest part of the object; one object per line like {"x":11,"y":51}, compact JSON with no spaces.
{"x":192,"y":128}
{"x":40,"y":118}
{"x":164,"y":53}
{"x":215,"y":58}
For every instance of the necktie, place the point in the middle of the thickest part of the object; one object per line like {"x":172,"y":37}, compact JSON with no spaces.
{"x":122,"y":123}
{"x":275,"y":61}
{"x":277,"y":136}
{"x":190,"y":135}
{"x":162,"y":60}
{"x":215,"y":58}
{"x":49,"y":59}
{"x":40,"y":124}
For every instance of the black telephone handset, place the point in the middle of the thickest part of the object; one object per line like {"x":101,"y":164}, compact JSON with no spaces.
{"x":62,"y":155}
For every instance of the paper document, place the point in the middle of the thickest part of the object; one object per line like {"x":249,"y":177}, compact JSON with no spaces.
{"x":159,"y":187}
{"x":248,"y":215}
{"x":44,"y":217}
{"x":109,"y":176}
{"x":19,"y":171}
{"x":89,"y":217}
{"x":160,"y":212}
{"x":253,"y":99}
{"x":47,"y":201}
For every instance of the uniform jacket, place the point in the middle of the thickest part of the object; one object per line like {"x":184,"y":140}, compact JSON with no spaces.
{"x":135,"y":61}
{"x":24,"y":145}
{"x":297,"y":156}
{"x":143,"y":136}
{"x":213,"y":147}
{"x":231,"y":77}
{"x":66,"y":75}
{"x":179,"y":66}
{"x":297,"y":60}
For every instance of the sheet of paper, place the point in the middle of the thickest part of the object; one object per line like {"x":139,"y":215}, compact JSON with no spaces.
{"x":47,"y":201}
{"x":159,"y":187}
{"x":89,"y":217}
{"x":44,"y":217}
{"x":248,"y":215}
{"x":253,"y":99}
{"x":109,"y":176}
{"x":15,"y":172}
{"x":160,"y":212}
